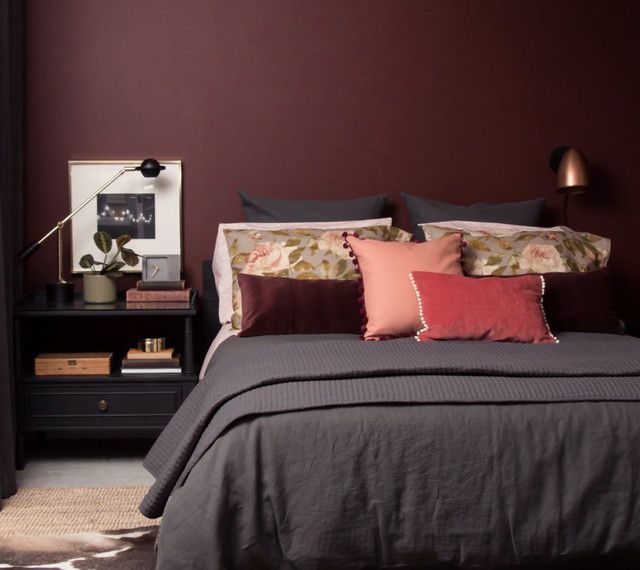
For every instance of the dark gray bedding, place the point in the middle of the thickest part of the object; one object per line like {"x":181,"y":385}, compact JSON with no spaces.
{"x":532,"y":453}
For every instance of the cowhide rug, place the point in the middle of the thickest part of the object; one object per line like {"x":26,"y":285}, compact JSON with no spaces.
{"x":115,"y":549}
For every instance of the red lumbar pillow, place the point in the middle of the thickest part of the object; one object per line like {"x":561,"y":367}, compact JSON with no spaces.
{"x":454,"y":307}
{"x":281,"y":305}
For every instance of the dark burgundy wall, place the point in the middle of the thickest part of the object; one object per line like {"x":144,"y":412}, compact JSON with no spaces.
{"x":456,"y":100}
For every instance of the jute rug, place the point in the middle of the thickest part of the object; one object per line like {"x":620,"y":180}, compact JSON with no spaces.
{"x":77,"y":529}
{"x":40,"y":512}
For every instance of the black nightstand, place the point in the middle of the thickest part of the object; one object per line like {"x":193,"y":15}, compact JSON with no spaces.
{"x":97,"y":406}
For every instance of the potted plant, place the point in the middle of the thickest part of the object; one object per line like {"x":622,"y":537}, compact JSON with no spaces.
{"x":100,"y":283}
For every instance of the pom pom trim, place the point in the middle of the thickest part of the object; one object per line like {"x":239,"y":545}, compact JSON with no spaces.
{"x":354,"y":259}
{"x":543,"y":286}
{"x":423,"y":322}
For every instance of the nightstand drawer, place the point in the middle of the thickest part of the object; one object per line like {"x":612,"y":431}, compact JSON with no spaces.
{"x":101,"y":405}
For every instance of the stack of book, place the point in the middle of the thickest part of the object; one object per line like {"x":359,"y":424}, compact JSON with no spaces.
{"x":159,"y":294}
{"x":162,"y":362}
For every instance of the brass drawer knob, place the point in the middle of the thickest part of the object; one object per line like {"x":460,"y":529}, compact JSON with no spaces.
{"x":103,"y":405}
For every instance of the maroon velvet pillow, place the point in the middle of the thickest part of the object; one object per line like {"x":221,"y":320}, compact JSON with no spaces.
{"x":280,"y":305}
{"x":581,"y":302}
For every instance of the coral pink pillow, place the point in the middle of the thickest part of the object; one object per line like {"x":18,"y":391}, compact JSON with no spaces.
{"x":389,"y":299}
{"x":453,"y":307}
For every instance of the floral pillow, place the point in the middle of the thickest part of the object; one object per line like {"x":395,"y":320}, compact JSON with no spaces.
{"x":517,"y":253}
{"x":299,"y":253}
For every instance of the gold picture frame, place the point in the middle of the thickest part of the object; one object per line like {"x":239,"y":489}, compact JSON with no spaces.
{"x":149,"y":209}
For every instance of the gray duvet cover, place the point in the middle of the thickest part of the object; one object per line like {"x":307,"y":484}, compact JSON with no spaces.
{"x":334,"y":453}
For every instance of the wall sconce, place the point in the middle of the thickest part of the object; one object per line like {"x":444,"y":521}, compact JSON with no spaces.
{"x":573,"y":175}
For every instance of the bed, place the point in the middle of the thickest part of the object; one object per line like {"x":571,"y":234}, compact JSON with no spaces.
{"x":323,"y":451}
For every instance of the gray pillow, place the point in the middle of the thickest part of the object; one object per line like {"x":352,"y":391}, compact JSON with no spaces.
{"x":423,"y":211}
{"x":259,"y":209}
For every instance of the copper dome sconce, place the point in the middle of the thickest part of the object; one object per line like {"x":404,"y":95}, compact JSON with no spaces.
{"x":573,"y":174}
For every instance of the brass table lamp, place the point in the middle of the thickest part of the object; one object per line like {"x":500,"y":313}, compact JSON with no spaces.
{"x":62,"y":290}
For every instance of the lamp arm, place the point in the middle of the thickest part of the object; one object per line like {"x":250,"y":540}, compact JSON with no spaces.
{"x":31,"y":248}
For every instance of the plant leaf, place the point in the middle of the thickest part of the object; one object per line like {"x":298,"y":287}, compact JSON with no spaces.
{"x":87,"y":261}
{"x":122,"y":240}
{"x":103,"y":241}
{"x":129,"y":256}
{"x":114,"y":266}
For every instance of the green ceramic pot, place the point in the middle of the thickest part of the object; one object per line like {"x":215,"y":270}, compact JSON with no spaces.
{"x":99,"y":288}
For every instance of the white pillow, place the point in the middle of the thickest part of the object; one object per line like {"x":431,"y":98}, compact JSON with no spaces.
{"x":494,"y":228}
{"x":222,"y":262}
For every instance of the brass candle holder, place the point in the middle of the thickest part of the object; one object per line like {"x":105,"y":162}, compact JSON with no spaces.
{"x":152,"y":344}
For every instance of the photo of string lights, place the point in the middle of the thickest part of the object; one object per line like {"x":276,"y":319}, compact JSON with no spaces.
{"x":133,"y":214}
{"x":108,"y":212}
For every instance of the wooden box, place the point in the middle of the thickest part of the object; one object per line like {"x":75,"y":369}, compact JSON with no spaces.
{"x":73,"y":363}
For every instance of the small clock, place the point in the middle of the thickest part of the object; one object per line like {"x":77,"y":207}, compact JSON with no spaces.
{"x":161,"y":268}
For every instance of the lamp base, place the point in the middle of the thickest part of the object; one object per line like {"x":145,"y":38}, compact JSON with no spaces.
{"x":59,"y":292}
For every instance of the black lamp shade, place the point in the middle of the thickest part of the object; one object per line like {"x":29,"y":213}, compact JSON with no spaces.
{"x":150,"y":168}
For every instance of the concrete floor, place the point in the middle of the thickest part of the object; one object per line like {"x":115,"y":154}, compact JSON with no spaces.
{"x":85,"y":463}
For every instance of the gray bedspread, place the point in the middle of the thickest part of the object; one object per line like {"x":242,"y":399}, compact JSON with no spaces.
{"x":501,"y":481}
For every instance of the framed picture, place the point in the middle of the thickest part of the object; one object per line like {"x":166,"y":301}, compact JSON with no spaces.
{"x":148,"y":209}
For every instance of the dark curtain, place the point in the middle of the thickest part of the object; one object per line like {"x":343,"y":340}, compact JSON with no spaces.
{"x":11,"y":142}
